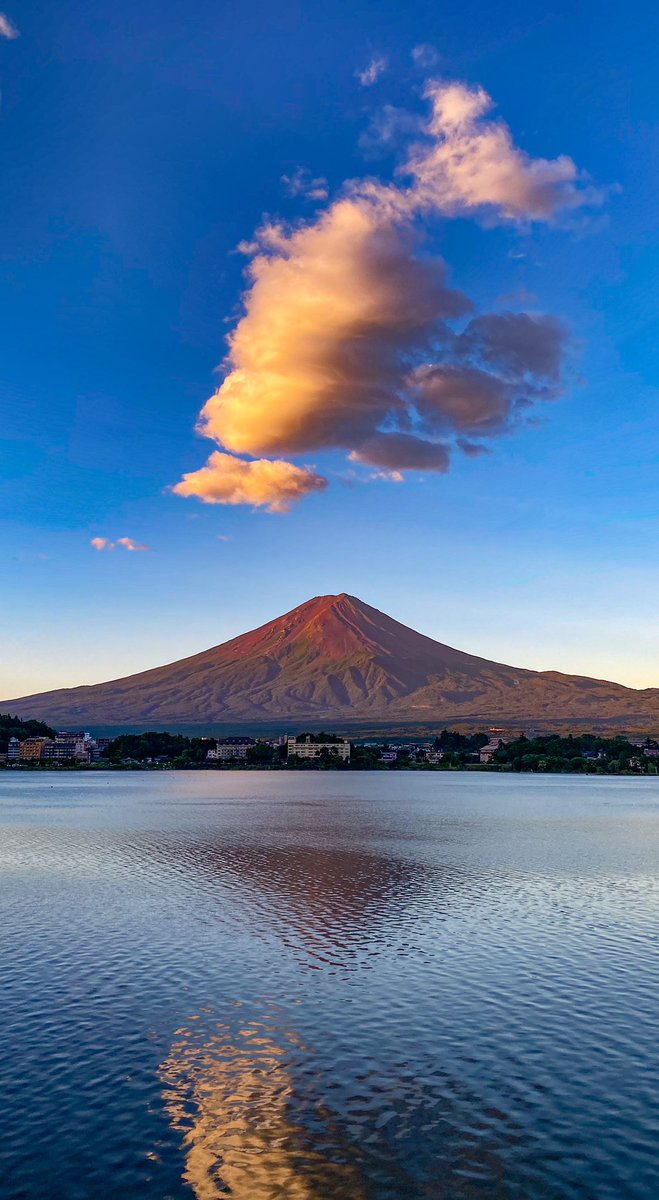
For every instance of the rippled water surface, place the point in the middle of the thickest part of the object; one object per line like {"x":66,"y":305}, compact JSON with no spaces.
{"x":318,"y":986}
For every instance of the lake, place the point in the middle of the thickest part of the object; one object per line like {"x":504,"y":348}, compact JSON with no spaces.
{"x":317,"y":986}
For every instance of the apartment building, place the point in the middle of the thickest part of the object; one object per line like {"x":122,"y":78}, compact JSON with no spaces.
{"x":230,"y":748}
{"x":34,"y":748}
{"x":311,"y":749}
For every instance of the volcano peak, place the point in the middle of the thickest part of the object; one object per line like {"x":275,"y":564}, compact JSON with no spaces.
{"x":337,"y":659}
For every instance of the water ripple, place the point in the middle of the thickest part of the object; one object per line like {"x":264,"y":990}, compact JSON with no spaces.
{"x":320,"y":987}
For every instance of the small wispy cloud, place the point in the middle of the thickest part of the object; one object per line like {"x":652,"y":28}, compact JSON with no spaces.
{"x":129,"y":544}
{"x":370,"y":74}
{"x":387,"y":476}
{"x":388,"y":128}
{"x":425,"y":55}
{"x":102,"y":543}
{"x":302,"y":183}
{"x":472,"y":449}
{"x":7,"y":28}
{"x":518,"y":296}
{"x":224,"y":537}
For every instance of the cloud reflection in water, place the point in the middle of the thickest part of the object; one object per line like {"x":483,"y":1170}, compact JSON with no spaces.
{"x":231,"y":1094}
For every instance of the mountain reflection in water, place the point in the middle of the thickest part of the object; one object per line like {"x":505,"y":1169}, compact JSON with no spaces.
{"x":335,"y":908}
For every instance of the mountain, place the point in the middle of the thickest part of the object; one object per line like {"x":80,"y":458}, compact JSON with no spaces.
{"x":336,"y":659}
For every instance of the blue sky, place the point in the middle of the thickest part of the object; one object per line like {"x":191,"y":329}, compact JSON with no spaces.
{"x":141,"y":144}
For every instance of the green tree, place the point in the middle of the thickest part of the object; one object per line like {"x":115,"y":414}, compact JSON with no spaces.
{"x":19,"y":728}
{"x":261,"y":754}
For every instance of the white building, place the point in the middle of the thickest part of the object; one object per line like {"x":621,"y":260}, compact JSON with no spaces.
{"x":13,"y":750}
{"x":309,"y":749}
{"x":231,"y":747}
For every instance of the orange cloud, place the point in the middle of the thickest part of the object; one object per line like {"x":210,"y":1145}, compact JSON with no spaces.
{"x":274,"y":486}
{"x":320,"y":356}
{"x":349,"y":339}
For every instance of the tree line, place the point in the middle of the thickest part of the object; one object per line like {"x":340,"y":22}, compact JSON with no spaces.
{"x":16,"y":727}
{"x":586,"y":753}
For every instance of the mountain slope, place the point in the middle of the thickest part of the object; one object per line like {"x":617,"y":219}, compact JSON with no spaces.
{"x":336,"y":658}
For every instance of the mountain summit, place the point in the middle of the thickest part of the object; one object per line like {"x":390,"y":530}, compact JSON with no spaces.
{"x":335,"y":658}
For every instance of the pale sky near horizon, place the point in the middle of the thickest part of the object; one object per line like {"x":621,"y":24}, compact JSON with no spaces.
{"x":141,"y":149}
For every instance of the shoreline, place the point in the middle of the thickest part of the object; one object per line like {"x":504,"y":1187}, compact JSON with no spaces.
{"x":434,"y":768}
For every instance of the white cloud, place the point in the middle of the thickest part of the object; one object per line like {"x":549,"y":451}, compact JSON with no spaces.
{"x":7,"y":28}
{"x":425,"y":56}
{"x":302,"y":183}
{"x":388,"y":129}
{"x":371,"y":73}
{"x":387,"y":476}
{"x":467,"y":163}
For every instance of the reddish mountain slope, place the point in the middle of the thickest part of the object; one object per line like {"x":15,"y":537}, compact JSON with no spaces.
{"x":336,"y":658}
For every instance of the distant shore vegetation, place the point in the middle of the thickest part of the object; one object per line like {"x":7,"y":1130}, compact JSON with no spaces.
{"x":16,"y":727}
{"x":451,"y":750}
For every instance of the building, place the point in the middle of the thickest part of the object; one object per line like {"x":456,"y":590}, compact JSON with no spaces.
{"x":98,"y":747}
{"x":69,"y":747}
{"x":62,"y":748}
{"x":229,"y":748}
{"x":487,"y":753}
{"x":84,"y":747}
{"x":311,"y":749}
{"x":34,"y":748}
